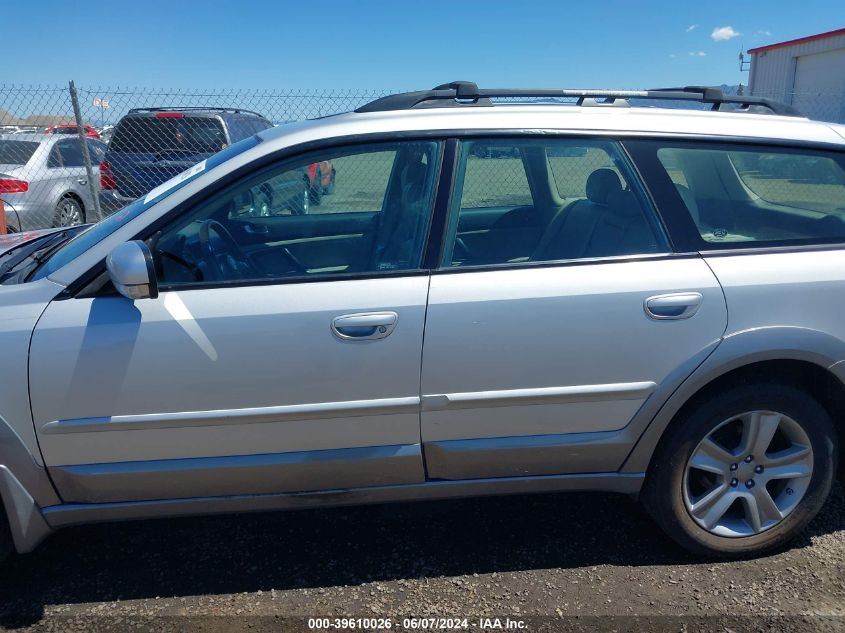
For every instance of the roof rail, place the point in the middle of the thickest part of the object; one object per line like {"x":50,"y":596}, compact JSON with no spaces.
{"x":466,"y":93}
{"x":197,"y":109}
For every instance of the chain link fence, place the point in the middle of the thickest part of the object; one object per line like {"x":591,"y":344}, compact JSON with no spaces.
{"x":52,"y":169}
{"x":44,"y":178}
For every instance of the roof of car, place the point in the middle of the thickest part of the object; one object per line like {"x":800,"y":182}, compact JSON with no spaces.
{"x":604,"y":120}
{"x":192,"y":111}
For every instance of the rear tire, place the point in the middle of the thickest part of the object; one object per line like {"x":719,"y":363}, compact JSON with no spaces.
{"x":69,"y":212}
{"x":703,"y":491}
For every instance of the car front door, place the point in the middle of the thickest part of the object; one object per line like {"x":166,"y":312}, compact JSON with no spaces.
{"x":549,"y":328}
{"x":282,"y":353}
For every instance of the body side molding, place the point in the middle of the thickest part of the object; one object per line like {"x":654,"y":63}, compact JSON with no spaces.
{"x":538,"y":395}
{"x":257,"y":415}
{"x":385,"y":406}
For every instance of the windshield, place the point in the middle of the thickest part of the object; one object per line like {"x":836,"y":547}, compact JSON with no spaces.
{"x":16,"y":152}
{"x":104,"y":228}
{"x":150,"y":135}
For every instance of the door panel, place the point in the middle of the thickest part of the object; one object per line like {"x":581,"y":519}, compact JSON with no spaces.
{"x":211,"y":373}
{"x":554,"y":351}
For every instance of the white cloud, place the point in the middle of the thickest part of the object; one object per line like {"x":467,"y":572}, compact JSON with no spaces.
{"x":724,"y":33}
{"x":697,"y":54}
{"x":692,"y":27}
{"x":672,"y":56}
{"x":764,"y":33}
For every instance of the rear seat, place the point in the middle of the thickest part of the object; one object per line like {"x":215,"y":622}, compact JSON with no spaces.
{"x":609,"y":222}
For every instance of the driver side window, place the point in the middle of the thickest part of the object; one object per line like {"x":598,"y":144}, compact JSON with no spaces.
{"x":353,"y":210}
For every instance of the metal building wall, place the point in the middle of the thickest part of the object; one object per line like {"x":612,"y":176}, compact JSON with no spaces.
{"x":773,"y":75}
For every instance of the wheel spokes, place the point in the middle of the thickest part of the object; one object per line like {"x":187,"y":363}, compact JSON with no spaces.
{"x":711,"y":507}
{"x":797,"y":470}
{"x":795,"y":454}
{"x":760,"y":509}
{"x":735,"y":486}
{"x":759,"y":428}
{"x":711,"y":457}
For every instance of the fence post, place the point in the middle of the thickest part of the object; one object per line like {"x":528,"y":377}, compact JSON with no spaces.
{"x":86,"y":155}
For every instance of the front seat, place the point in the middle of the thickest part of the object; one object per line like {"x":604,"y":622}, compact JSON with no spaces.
{"x":609,"y":222}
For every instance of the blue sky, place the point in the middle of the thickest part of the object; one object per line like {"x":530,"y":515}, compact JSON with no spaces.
{"x":402,"y":45}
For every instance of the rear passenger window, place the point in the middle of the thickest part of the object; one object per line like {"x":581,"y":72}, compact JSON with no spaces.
{"x":582,"y":202}
{"x":70,"y":153}
{"x":738,"y":195}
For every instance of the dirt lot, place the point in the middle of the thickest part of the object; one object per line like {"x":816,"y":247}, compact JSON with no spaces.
{"x":562,"y":562}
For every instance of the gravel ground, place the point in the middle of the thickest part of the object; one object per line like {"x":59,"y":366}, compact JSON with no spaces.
{"x":556,"y":562}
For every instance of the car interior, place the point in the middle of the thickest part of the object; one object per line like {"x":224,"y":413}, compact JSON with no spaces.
{"x":376,"y":221}
{"x":582,"y":206}
{"x":513,"y":202}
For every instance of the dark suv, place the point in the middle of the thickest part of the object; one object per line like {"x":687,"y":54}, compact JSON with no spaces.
{"x":151,"y":145}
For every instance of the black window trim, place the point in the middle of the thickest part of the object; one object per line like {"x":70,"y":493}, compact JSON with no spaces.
{"x":679,"y":221}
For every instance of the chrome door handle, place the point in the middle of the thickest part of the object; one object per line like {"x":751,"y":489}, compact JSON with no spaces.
{"x":678,"y":305}
{"x":82,"y":181}
{"x":367,"y":326}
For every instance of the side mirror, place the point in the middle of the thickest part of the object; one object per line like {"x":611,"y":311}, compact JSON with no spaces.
{"x":131,"y":270}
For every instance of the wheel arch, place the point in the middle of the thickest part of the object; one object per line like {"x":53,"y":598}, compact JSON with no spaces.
{"x":810,"y":359}
{"x":74,"y":195}
{"x":70,"y":193}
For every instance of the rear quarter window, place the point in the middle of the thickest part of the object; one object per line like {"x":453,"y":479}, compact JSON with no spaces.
{"x":16,"y":152}
{"x":746,"y":195}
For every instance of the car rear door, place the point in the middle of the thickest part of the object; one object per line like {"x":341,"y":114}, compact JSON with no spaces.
{"x":259,"y":375}
{"x":536,"y":361}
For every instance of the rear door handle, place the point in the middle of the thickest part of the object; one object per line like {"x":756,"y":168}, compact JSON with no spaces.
{"x":367,"y":326}
{"x":678,"y":305}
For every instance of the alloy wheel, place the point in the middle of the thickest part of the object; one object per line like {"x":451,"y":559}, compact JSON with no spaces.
{"x":70,"y":213}
{"x":748,"y":474}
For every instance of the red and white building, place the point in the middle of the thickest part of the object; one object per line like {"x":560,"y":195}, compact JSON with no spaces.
{"x":808,"y":73}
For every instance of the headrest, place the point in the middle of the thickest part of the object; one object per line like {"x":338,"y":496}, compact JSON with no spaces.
{"x":603,"y":184}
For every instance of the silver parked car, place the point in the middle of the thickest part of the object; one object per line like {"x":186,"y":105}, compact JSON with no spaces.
{"x":497,"y":299}
{"x":43,"y":181}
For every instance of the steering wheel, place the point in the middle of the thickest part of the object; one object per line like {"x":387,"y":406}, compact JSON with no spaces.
{"x":228,"y":261}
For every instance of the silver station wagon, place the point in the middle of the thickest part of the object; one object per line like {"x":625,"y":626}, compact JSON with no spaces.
{"x":497,"y":298}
